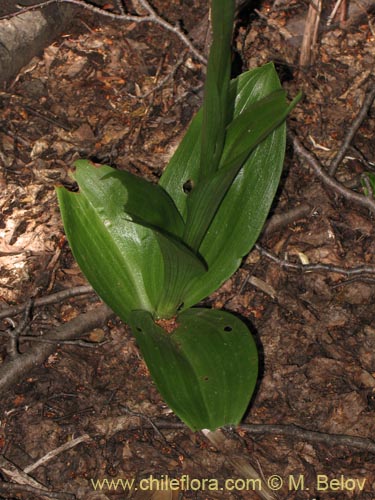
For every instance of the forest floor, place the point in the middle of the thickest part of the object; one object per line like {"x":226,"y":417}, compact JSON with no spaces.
{"x":123,"y":94}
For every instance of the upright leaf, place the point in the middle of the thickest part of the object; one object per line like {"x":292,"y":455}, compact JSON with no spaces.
{"x":217,"y":107}
{"x":242,"y":213}
{"x":181,"y":267}
{"x":244,"y":134}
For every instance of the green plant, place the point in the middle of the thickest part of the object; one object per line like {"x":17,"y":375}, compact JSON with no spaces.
{"x":368,"y":183}
{"x":153,"y":251}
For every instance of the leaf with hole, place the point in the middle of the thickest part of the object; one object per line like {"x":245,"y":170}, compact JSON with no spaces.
{"x":206,"y":369}
{"x":153,"y":251}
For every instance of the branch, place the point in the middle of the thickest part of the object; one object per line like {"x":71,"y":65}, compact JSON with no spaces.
{"x":152,"y":17}
{"x":363,"y":444}
{"x":13,"y":370}
{"x":17,"y":475}
{"x":14,"y":335}
{"x":353,"y":130}
{"x":18,"y":489}
{"x":112,"y":425}
{"x":354,"y":271}
{"x":350,"y":195}
{"x":279,"y":221}
{"x":49,"y":299}
{"x":53,"y":453}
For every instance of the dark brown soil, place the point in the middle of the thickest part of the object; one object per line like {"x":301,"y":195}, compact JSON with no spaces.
{"x":116,"y":94}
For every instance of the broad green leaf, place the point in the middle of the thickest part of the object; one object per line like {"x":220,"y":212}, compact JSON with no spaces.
{"x":241,"y":215}
{"x":181,"y":267}
{"x":217,"y":105}
{"x":184,"y":165}
{"x":148,"y":204}
{"x":120,"y":259}
{"x":240,"y":218}
{"x":206,"y":370}
{"x":243,"y":135}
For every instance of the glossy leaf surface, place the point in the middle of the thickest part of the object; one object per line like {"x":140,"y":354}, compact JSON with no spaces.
{"x":240,"y":216}
{"x":243,"y":135}
{"x":206,"y":370}
{"x":120,"y":259}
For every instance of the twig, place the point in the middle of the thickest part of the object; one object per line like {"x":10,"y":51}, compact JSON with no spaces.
{"x":145,"y":418}
{"x":334,"y":12}
{"x":12,"y":347}
{"x":275,"y":25}
{"x":23,"y":488}
{"x":166,"y":79}
{"x":77,"y":342}
{"x":13,"y":370}
{"x":353,"y":130}
{"x":354,"y":271}
{"x":122,"y":423}
{"x":17,"y":475}
{"x":43,"y":116}
{"x":47,"y":300}
{"x":327,"y":179}
{"x":53,"y":453}
{"x":279,"y":221}
{"x":120,"y":7}
{"x":363,"y":444}
{"x":153,"y":17}
{"x":363,"y":279}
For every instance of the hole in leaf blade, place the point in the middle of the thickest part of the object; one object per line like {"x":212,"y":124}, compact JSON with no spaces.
{"x":188,"y":186}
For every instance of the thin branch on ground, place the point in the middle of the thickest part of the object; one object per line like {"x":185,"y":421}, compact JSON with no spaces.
{"x":13,"y":371}
{"x":77,"y":342}
{"x":327,"y":179}
{"x":14,"y":473}
{"x":359,"y":443}
{"x":281,"y":220}
{"x":354,"y":271}
{"x":15,"y":333}
{"x":53,"y":453}
{"x":43,"y":116}
{"x":310,"y":34}
{"x":363,"y":279}
{"x":166,"y":79}
{"x":120,"y":7}
{"x":54,"y":298}
{"x":332,"y":15}
{"x":152,"y":17}
{"x":355,"y":442}
{"x":146,"y":419}
{"x":353,"y":129}
{"x":18,"y":489}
